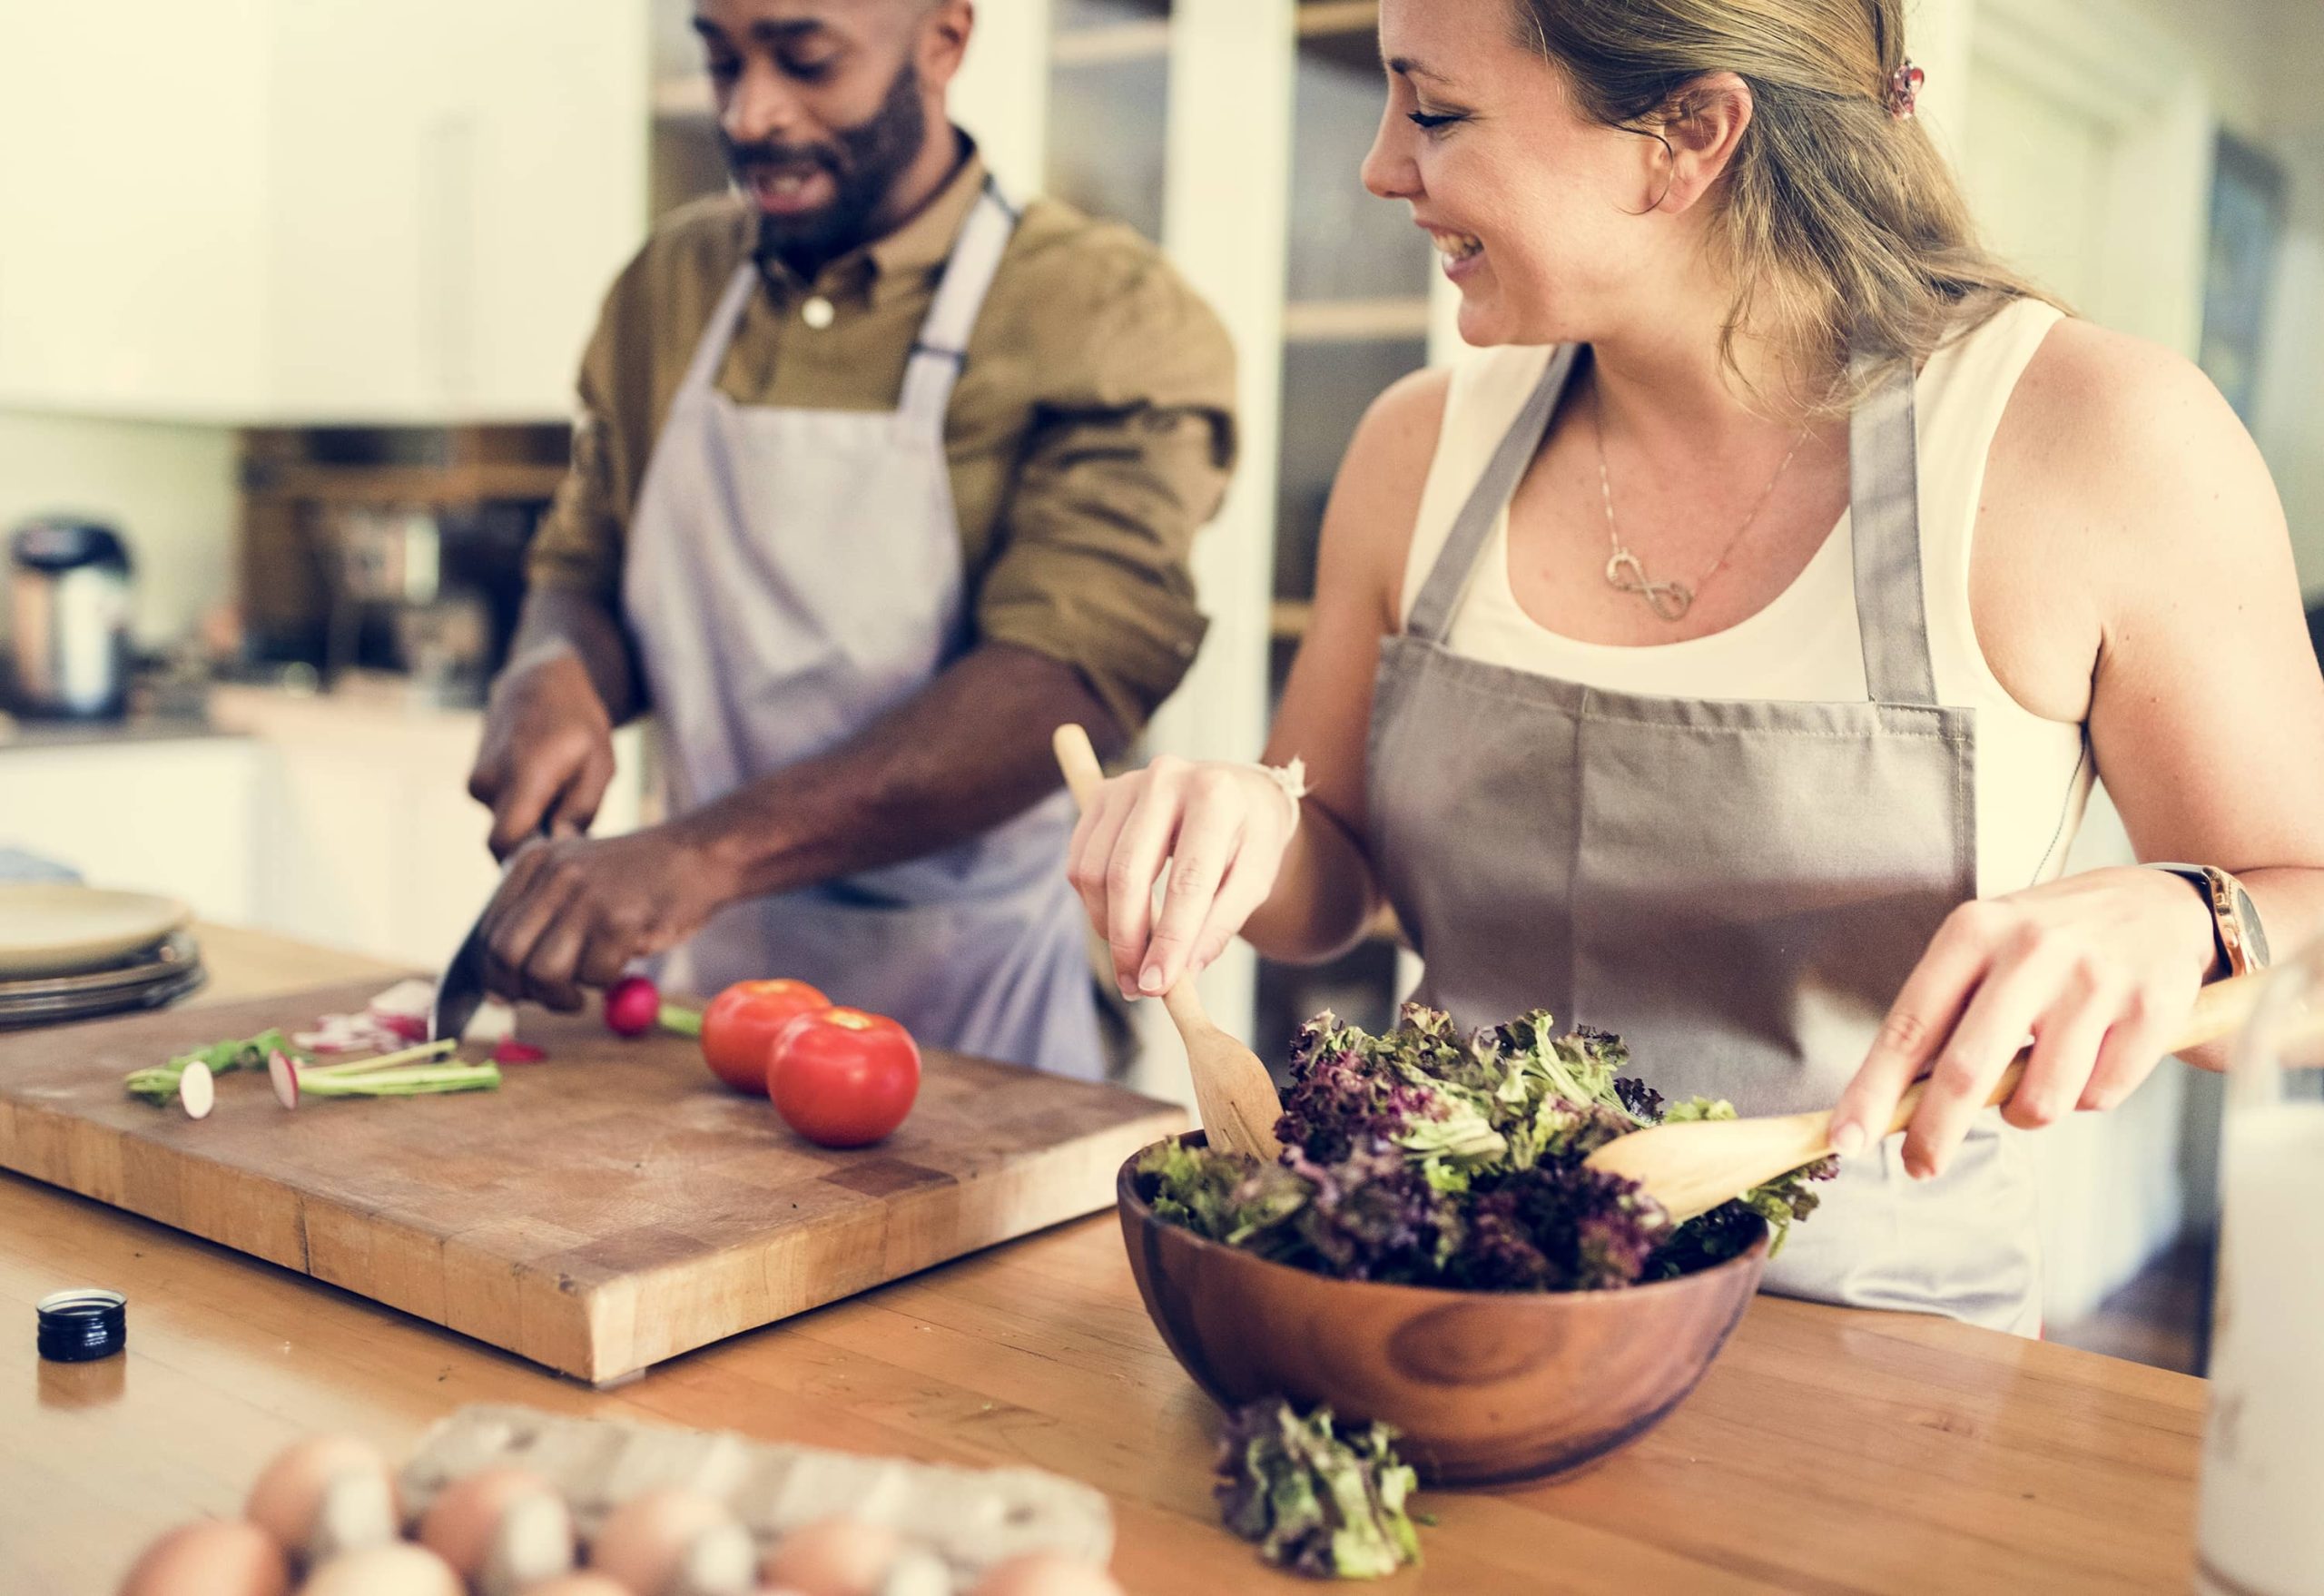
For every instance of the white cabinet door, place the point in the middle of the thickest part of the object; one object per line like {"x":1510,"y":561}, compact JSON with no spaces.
{"x":306,"y":210}
{"x":369,"y":839}
{"x":464,"y":182}
{"x":132,"y":195}
{"x":174,"y":817}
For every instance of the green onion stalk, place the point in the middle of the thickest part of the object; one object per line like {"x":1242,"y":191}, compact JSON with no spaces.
{"x":427,"y":1080}
{"x":159,"y":1085}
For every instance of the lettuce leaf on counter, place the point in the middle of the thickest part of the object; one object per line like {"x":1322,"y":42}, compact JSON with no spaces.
{"x":1318,"y":1497}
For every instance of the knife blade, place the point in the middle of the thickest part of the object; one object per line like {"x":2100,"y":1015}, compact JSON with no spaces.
{"x":459,"y":991}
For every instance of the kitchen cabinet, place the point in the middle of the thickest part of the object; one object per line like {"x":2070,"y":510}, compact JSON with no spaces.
{"x":342,"y":819}
{"x":369,"y":840}
{"x":314,"y":211}
{"x":178,"y":817}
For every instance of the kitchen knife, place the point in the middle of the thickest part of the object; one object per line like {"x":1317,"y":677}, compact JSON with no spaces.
{"x":459,"y":992}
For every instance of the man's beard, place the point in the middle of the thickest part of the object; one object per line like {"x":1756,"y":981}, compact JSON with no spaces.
{"x":864,"y":162}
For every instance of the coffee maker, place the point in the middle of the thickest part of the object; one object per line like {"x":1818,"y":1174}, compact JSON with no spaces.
{"x":69,"y":596}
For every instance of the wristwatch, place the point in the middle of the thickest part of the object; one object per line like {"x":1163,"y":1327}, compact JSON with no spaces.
{"x":2241,"y":941}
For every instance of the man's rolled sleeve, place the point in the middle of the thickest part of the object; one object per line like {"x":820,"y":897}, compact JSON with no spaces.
{"x":1129,"y":456}
{"x":579,"y":544}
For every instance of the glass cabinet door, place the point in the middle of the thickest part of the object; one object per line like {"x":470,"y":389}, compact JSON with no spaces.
{"x":1356,"y":318}
{"x":684,"y":160}
{"x":1109,"y":107}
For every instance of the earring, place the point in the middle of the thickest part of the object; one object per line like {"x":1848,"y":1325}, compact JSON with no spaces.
{"x":1905,"y":90}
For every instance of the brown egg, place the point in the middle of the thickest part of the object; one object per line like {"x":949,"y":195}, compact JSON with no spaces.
{"x":211,"y":1559}
{"x":584,"y":1584}
{"x":645,"y":1540}
{"x":533,"y":1543}
{"x":397,"y":1569}
{"x":1046,"y":1573}
{"x":917,"y":1571}
{"x":287,"y":1498}
{"x":459,"y":1524}
{"x":833,"y":1557}
{"x":721,"y":1560}
{"x":358,"y":1510}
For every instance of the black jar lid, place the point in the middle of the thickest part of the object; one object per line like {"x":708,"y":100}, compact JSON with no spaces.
{"x":82,"y":1326}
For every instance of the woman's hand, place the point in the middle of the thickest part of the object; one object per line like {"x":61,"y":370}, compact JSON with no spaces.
{"x":1221,"y":828}
{"x":2101,"y":969}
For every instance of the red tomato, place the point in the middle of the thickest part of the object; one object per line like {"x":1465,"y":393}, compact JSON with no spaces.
{"x":739,"y":1027}
{"x":843,"y":1078}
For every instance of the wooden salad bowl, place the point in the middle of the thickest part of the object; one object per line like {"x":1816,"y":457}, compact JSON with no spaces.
{"x":1487,"y":1387}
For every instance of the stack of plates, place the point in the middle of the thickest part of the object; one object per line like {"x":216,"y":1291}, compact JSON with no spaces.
{"x":72,"y":952}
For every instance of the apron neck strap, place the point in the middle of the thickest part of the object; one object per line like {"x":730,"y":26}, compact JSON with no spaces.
{"x":942,"y":346}
{"x":1440,"y":595}
{"x":1885,"y":538}
{"x":937,"y":353}
{"x":710,"y":352}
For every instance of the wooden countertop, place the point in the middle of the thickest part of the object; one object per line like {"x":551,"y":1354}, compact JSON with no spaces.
{"x":1826,"y":1452}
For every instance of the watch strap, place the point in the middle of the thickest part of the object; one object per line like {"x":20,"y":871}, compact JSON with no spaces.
{"x":2236,"y":933}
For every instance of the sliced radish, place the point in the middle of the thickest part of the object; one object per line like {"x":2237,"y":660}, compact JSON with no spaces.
{"x":409,"y":999}
{"x":198,"y":1090}
{"x":512,"y":1051}
{"x":348,"y":1033}
{"x":494,"y":1021}
{"x":285,"y":1076}
{"x":408,"y":1027}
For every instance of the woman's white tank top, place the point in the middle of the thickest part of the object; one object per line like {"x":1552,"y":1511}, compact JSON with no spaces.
{"x":2032,"y":774}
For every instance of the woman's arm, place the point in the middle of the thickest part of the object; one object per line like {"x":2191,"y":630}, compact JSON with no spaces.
{"x":1325,"y":896}
{"x":1220,"y":828}
{"x":2133,"y":570}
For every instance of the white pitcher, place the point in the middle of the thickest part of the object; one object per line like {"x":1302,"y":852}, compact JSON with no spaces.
{"x":2263,"y":1527}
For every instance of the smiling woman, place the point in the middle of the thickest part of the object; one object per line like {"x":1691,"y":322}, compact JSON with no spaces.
{"x":1723,"y":656}
{"x":1835,"y":219}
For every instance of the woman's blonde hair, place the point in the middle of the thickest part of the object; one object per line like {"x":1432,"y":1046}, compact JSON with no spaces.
{"x":1841,"y":224}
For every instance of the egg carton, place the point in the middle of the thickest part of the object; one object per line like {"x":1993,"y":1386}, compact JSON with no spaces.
{"x":970,"y":1518}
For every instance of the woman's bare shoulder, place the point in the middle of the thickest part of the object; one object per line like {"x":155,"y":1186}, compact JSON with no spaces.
{"x":1368,"y":527}
{"x":1396,"y":439}
{"x":2120,"y":483}
{"x":2110,"y":408}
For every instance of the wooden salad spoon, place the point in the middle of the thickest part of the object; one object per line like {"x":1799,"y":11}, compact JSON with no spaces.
{"x":1233,"y":1093}
{"x":1692,"y":1168}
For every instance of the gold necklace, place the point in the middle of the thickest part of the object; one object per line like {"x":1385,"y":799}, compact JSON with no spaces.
{"x":1626,"y":573}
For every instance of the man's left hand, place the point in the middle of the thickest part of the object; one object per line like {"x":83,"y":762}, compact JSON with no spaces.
{"x":2100,"y":969}
{"x":575,"y":912}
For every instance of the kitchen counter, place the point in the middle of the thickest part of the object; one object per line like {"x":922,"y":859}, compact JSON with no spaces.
{"x":20,"y":733}
{"x":342,"y":817}
{"x":1827,"y":1451}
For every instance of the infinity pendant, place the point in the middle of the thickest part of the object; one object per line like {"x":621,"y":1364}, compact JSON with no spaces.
{"x":1669,"y":600}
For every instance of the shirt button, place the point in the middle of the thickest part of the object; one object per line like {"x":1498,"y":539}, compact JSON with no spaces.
{"x":817,"y":313}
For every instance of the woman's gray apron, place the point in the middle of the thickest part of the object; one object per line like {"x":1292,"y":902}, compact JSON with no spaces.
{"x":1738,"y":888}
{"x":791,"y":577}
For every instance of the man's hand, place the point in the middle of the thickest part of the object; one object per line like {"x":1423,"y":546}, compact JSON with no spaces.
{"x":573,"y":913}
{"x":548,"y":755}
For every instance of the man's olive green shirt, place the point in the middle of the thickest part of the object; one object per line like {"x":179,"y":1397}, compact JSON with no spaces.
{"x":1091,"y":435}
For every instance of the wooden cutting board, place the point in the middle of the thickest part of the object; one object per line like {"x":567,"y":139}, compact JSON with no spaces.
{"x":603,"y":1211}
